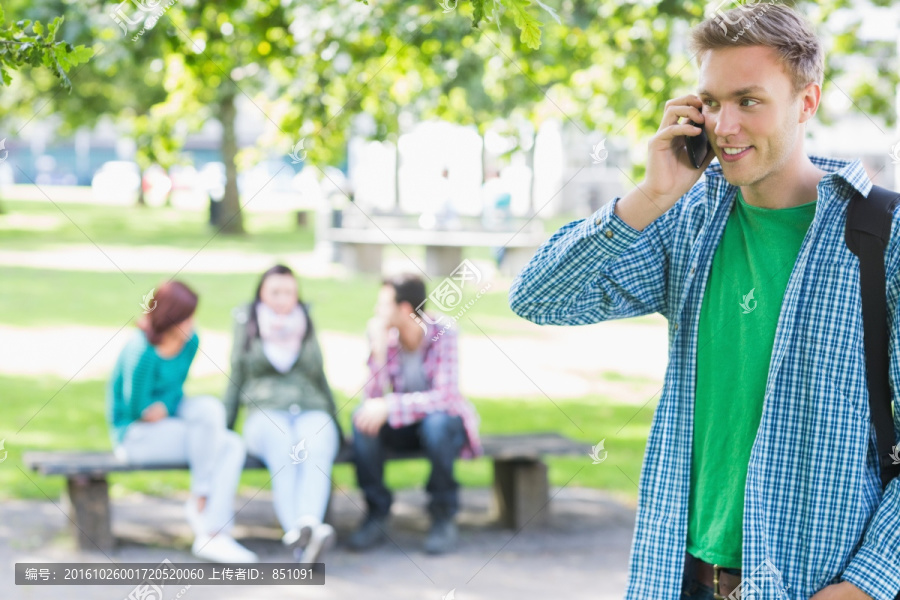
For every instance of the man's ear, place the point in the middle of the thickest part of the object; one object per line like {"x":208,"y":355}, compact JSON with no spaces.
{"x":405,"y":309}
{"x":809,"y":101}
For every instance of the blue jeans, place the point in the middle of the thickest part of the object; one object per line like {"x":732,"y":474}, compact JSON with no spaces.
{"x":440,"y":435}
{"x":692,"y":589}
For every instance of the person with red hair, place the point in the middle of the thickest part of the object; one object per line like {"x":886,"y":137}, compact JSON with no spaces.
{"x":152,"y":421}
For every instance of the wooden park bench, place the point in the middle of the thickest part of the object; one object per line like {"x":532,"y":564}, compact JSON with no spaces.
{"x":521,"y":486}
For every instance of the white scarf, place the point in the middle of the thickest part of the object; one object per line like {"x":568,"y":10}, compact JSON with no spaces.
{"x":281,"y":335}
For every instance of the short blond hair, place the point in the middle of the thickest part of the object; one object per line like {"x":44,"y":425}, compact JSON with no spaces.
{"x":762,"y":24}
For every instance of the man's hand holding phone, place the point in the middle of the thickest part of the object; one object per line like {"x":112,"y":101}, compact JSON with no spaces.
{"x":670,"y":173}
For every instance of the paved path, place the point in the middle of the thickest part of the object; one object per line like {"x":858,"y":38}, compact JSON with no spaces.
{"x":162,"y":259}
{"x":581,"y":553}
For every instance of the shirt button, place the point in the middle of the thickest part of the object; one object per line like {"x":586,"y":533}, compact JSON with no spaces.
{"x":609,"y":233}
{"x":676,"y":326}
{"x":692,"y":270}
{"x":598,"y":221}
{"x":294,"y":409}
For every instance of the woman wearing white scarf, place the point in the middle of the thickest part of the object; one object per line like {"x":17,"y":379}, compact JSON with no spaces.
{"x":277,"y":370}
{"x":281,"y":334}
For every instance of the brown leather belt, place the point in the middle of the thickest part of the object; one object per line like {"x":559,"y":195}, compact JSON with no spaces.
{"x":714,"y":576}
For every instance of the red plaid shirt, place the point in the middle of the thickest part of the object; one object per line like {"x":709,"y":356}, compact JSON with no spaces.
{"x":442,"y":373}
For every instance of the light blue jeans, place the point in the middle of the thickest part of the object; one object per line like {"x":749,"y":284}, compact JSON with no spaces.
{"x":195,"y":434}
{"x":299,"y":451}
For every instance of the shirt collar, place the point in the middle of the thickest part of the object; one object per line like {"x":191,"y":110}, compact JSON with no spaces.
{"x":849,"y":173}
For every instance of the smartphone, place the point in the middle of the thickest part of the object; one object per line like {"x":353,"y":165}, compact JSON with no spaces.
{"x":697,"y":146}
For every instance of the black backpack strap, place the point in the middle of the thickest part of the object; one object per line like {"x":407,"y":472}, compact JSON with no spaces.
{"x":867,"y":232}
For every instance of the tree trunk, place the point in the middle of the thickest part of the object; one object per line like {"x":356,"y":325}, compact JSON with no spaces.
{"x":141,"y":200}
{"x":231,"y":219}
{"x":396,"y":207}
{"x":530,"y":162}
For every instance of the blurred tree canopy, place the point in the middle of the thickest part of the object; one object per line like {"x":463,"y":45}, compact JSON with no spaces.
{"x":33,"y":43}
{"x":162,"y":68}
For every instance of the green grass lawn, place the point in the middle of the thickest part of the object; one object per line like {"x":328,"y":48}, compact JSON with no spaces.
{"x":30,"y":225}
{"x":73,"y":418}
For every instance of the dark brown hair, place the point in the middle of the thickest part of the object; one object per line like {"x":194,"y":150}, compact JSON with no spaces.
{"x":408,"y":287}
{"x":173,"y":303}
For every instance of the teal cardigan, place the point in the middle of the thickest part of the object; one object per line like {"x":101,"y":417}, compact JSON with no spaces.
{"x":141,"y":377}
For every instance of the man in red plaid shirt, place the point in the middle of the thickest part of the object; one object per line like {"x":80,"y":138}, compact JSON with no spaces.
{"x":412,"y":401}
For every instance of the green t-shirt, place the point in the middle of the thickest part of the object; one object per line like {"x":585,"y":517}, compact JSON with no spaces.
{"x":738,"y":317}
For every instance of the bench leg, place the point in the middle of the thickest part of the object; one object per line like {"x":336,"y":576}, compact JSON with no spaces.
{"x":89,"y":497}
{"x":521,"y":492}
{"x":515,"y":259}
{"x":440,"y":261}
{"x":329,"y":508}
{"x":362,"y":258}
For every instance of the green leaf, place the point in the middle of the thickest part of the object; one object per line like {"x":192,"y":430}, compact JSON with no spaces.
{"x":478,"y":5}
{"x":80,"y":54}
{"x":527,"y":23}
{"x":53,"y":28}
{"x":38,"y":28}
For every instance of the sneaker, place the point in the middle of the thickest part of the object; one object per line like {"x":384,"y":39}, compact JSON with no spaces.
{"x":194,"y":516}
{"x":442,"y":537}
{"x":222,"y":549}
{"x":298,"y":536}
{"x":322,"y":539}
{"x":373,"y":532}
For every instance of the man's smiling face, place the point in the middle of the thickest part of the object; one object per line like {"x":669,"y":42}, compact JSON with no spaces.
{"x":749,"y":104}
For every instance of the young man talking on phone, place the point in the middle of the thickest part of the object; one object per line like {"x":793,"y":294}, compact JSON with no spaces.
{"x":760,"y":471}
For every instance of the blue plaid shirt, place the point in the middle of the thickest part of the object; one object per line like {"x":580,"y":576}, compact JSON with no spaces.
{"x":814,"y":513}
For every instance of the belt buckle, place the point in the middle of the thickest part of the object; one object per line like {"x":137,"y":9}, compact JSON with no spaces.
{"x":716,"y":595}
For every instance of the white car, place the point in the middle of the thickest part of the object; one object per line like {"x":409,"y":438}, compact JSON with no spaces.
{"x":117,"y":182}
